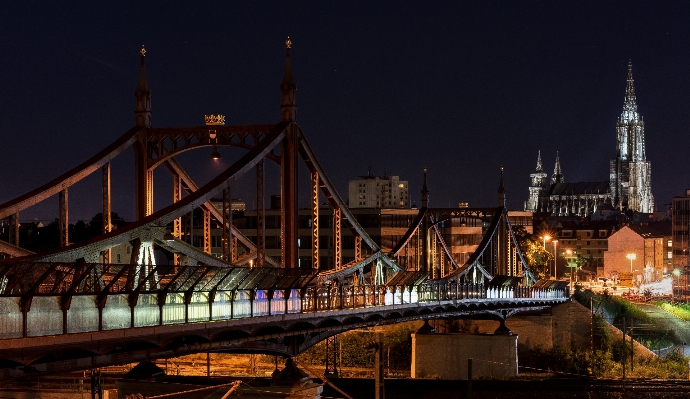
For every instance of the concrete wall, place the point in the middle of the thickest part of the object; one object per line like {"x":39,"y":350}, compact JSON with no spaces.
{"x":566,"y":325}
{"x":445,"y":356}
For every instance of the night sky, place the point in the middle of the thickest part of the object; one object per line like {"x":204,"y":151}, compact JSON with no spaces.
{"x":458,"y":87}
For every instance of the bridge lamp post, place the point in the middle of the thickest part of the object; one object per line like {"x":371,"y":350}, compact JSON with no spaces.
{"x":555,"y":256}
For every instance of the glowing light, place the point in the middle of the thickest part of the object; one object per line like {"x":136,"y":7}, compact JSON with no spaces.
{"x":215,"y":155}
{"x":632,"y":256}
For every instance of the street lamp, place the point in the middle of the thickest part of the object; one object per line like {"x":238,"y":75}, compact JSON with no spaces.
{"x":546,"y":238}
{"x":569,"y":252}
{"x":632,"y":256}
{"x":676,"y":272}
{"x":555,"y":256}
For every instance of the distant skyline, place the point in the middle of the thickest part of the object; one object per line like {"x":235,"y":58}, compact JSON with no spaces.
{"x":460,"y":88}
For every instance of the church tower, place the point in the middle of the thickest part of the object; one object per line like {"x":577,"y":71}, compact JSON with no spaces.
{"x":630,"y":173}
{"x":537,"y":188}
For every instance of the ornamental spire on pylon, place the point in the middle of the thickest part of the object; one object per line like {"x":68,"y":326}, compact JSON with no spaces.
{"x":501,"y":191}
{"x":142,"y":112}
{"x":539,"y":167}
{"x":288,"y":107}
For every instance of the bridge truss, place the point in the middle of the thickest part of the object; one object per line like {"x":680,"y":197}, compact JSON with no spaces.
{"x":75,"y":294}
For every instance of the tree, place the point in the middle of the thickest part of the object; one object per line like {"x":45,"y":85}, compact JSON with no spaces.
{"x":533,"y":251}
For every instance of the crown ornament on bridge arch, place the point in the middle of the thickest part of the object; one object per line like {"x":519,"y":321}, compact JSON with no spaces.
{"x":214,"y":120}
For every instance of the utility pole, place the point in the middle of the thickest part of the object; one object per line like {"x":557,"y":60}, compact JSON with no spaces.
{"x":623,"y":360}
{"x":591,"y":325}
{"x":632,"y":345}
{"x":469,"y":378}
{"x":378,"y":365}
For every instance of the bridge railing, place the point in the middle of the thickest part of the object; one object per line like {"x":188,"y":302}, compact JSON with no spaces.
{"x":49,"y":315}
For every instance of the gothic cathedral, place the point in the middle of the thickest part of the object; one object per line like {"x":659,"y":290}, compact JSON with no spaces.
{"x":629,"y":187}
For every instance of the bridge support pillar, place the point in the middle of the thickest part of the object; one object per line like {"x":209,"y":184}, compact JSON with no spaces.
{"x":503,"y":329}
{"x":143,"y":180}
{"x":502,"y":263}
{"x":260,"y":234}
{"x":105,"y":200}
{"x":288,"y":197}
{"x":445,"y":355}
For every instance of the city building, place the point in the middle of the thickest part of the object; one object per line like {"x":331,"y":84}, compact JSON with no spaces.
{"x":680,"y":219}
{"x":378,"y":192}
{"x":588,"y":242}
{"x":638,"y":253}
{"x":629,"y":185}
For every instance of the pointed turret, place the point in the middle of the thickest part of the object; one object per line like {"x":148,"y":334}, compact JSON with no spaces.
{"x":288,"y":107}
{"x":142,"y":113}
{"x":557,"y":176}
{"x":501,"y":191}
{"x":425,"y":192}
{"x":539,"y":167}
{"x":538,"y":188}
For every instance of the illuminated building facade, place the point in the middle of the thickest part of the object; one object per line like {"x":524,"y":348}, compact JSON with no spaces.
{"x":564,"y":199}
{"x":680,"y":220}
{"x":378,"y":192}
{"x":629,"y":186}
{"x":630,"y":172}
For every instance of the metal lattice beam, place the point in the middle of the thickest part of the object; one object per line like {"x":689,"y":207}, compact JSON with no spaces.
{"x":315,"y":220}
{"x":337,"y":242}
{"x":207,"y":231}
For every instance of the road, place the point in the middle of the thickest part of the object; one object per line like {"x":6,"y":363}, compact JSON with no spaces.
{"x":680,"y":328}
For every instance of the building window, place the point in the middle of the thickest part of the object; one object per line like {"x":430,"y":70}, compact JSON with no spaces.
{"x":587,"y":241}
{"x":670,"y":255}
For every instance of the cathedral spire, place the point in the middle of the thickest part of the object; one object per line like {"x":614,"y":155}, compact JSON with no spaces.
{"x":501,"y":191}
{"x":557,"y":176}
{"x":142,"y":113}
{"x":425,"y":192}
{"x":288,"y":88}
{"x":539,"y":167}
{"x":630,"y":99}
